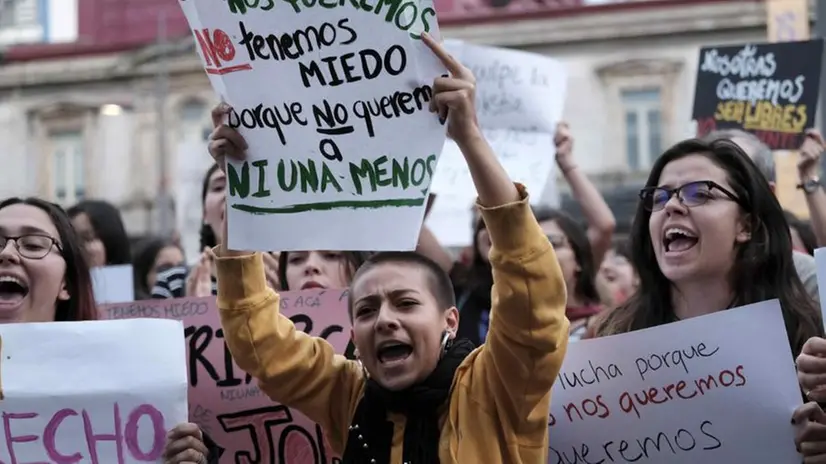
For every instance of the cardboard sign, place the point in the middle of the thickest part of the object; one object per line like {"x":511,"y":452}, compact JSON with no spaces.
{"x":225,"y":401}
{"x":768,"y":89}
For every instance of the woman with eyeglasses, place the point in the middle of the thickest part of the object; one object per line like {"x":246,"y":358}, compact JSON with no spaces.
{"x":44,"y":277}
{"x":710,"y":235}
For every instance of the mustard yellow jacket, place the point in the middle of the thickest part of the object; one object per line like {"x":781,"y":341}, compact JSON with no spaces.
{"x":500,"y":400}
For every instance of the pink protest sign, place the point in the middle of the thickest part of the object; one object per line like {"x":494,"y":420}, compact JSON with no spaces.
{"x":227,"y":404}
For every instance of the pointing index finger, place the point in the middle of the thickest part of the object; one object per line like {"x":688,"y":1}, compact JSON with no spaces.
{"x":456,"y":69}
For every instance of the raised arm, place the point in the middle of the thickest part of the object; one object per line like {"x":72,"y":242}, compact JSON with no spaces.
{"x":528,"y":332}
{"x":291,"y":367}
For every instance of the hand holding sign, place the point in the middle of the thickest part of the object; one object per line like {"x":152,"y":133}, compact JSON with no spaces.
{"x":199,"y":281}
{"x":185,"y":444}
{"x":564,"y":143}
{"x":224,"y":140}
{"x":810,"y":151}
{"x":810,"y":436}
{"x":811,"y":368}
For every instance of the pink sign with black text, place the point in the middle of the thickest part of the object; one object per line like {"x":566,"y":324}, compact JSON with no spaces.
{"x":227,"y":403}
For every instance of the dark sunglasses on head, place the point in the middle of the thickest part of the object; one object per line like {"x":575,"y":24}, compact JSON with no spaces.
{"x":690,"y":194}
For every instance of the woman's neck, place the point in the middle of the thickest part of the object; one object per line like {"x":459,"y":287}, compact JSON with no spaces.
{"x":700,"y":298}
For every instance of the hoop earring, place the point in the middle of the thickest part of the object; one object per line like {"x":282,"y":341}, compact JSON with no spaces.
{"x":445,"y":343}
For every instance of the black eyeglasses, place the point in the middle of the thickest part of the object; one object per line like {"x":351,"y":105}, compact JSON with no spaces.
{"x":690,"y":194}
{"x":32,"y":246}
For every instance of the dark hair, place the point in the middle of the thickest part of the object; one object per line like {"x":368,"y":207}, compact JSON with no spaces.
{"x":81,"y":303}
{"x":146,"y":252}
{"x":207,"y":235}
{"x":353,"y":260}
{"x":585,"y":287}
{"x":763,"y":268}
{"x":108,"y":225}
{"x":439,"y":281}
{"x":475,"y":278}
{"x":622,"y":247}
{"x":804,"y":231}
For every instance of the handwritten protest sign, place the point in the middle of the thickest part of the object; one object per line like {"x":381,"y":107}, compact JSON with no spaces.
{"x":333,"y":100}
{"x":113,"y":283}
{"x":93,"y":392}
{"x":820,"y":262}
{"x":688,"y":392}
{"x":519,"y":99}
{"x":768,"y":89}
{"x":226,"y":402}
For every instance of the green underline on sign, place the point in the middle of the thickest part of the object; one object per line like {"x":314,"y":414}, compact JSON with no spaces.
{"x":330,"y":205}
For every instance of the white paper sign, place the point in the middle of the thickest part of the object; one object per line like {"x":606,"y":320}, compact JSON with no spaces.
{"x":820,"y":262}
{"x":515,"y":90}
{"x":694,"y":391}
{"x":113,"y":284}
{"x":333,"y":100}
{"x":103,"y":392}
{"x":519,"y":99}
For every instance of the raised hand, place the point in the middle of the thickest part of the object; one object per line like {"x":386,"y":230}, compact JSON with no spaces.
{"x":454,"y":96}
{"x":224,"y":141}
{"x":199,"y":281}
{"x":185,"y":445}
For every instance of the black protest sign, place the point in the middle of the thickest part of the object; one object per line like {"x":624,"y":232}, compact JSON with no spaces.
{"x":769,"y":89}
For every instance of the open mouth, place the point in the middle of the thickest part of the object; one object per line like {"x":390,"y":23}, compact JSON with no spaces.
{"x":393,"y":352}
{"x":12,"y":290}
{"x":676,"y":240}
{"x":311,"y":284}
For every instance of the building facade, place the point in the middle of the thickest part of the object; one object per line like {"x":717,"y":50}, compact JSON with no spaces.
{"x":85,"y":122}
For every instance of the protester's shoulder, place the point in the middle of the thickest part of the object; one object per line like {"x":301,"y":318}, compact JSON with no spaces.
{"x":804,"y":262}
{"x":806,"y":268}
{"x":170,"y":283}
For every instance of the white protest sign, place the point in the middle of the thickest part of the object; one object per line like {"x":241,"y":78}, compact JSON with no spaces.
{"x":820,"y":262}
{"x":515,"y":90}
{"x":93,"y":392}
{"x":333,"y":100}
{"x":519,"y":99}
{"x":688,"y":392}
{"x":113,"y":284}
